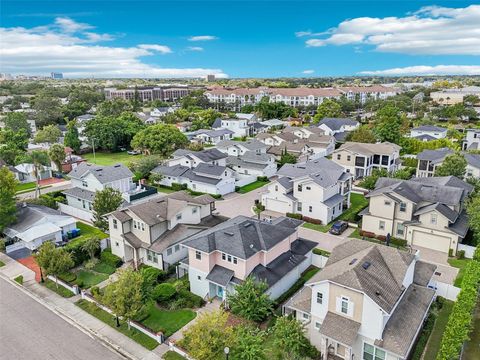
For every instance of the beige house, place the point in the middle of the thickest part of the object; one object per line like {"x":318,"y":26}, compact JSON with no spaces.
{"x":427,"y":212}
{"x":368,"y":302}
{"x":360,"y":159}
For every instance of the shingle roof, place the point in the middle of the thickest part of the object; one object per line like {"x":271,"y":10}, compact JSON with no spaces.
{"x":220,"y":275}
{"x":206,"y":155}
{"x":251,"y":145}
{"x":80,"y":193}
{"x":209,"y":169}
{"x":286,"y":183}
{"x":423,"y":272}
{"x":430,"y":128}
{"x":340,"y":328}
{"x":376,"y":270}
{"x":104,"y":174}
{"x":384,"y":148}
{"x":337,"y":123}
{"x":213,"y":133}
{"x":435,"y":156}
{"x":424,"y":137}
{"x":450,"y":214}
{"x":176,"y":170}
{"x":473,"y":160}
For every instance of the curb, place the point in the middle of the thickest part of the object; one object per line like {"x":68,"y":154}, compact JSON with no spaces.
{"x":62,"y":314}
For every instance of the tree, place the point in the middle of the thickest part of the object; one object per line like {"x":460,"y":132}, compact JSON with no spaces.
{"x":113,"y":107}
{"x":49,"y":134}
{"x":8,"y":208}
{"x":287,"y":158}
{"x":54,"y":261}
{"x":208,"y":336}
{"x":363,"y":135}
{"x":328,"y":109}
{"x":249,"y":344}
{"x":369,"y":182}
{"x":388,"y":124}
{"x":48,"y":109}
{"x":12,"y":144}
{"x":124,"y":296}
{"x":39,"y":159}
{"x":71,"y":137}
{"x":274,"y":110}
{"x":143,"y":166}
{"x":57,"y":155}
{"x":289,"y":338}
{"x":471,"y":99}
{"x":159,"y":139}
{"x":250,"y":300}
{"x":453,"y":165}
{"x":91,"y":246}
{"x":473,"y":212}
{"x":16,"y":121}
{"x":106,"y":200}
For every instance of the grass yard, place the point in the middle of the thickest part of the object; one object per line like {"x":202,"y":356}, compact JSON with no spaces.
{"x":472,"y":347}
{"x":164,"y":189}
{"x":317,"y":227}
{"x":85,"y":232}
{"x":250,"y":187}
{"x":108,"y":159}
{"x":167,"y":321}
{"x":104,"y":268}
{"x":19,"y":279}
{"x":86,"y":278}
{"x":355,"y":234}
{"x":108,"y":319}
{"x":2,"y":263}
{"x":172,"y":355}
{"x":433,"y":344}
{"x":25,"y":186}
{"x":63,"y":292}
{"x":460,"y":264}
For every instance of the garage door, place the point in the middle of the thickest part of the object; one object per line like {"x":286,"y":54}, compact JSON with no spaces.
{"x":431,"y":241}
{"x":278,"y":206}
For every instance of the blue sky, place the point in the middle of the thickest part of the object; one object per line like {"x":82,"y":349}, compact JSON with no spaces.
{"x":239,"y":38}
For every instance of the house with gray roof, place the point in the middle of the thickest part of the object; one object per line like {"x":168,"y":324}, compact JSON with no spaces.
{"x":236,"y":148}
{"x":430,"y":160}
{"x":473,"y":165}
{"x":428,"y":132}
{"x":151,"y":232}
{"x":251,"y":165}
{"x":426,"y":212}
{"x":211,"y":136}
{"x":239,"y":126}
{"x":368,"y":302}
{"x":318,"y":189}
{"x":338,"y":127}
{"x":225,"y":255}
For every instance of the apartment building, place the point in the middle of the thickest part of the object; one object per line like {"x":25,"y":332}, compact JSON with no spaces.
{"x":222,"y":257}
{"x":369,"y":302}
{"x":364,"y":93}
{"x":360,"y":159}
{"x":454,"y":96}
{"x":147,"y":93}
{"x":427,"y":212}
{"x":430,"y":160}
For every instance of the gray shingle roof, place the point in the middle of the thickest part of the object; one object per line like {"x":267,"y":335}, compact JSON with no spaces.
{"x":198,"y":177}
{"x":206,"y":155}
{"x":104,"y":174}
{"x":323,"y":171}
{"x":473,"y":160}
{"x":430,"y":128}
{"x":286,"y":183}
{"x":213,"y":133}
{"x":81,"y":193}
{"x":278,"y":268}
{"x":460,"y":227}
{"x":340,"y":328}
{"x":176,"y":170}
{"x":251,"y":145}
{"x":334,"y":200}
{"x":336,"y":123}
{"x":424,"y":137}
{"x":450,"y":214}
{"x":209,"y":169}
{"x":435,"y":156}
{"x":220,"y":275}
{"x":423,"y":272}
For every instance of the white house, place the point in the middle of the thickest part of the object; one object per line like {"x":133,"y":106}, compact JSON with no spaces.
{"x":250,"y":165}
{"x":235,"y":148}
{"x":338,"y":127}
{"x":211,"y":136}
{"x":238,"y":126}
{"x":473,"y":165}
{"x":472,"y":140}
{"x":26,"y":173}
{"x":428,"y":132}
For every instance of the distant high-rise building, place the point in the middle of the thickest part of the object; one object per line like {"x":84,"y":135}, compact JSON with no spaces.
{"x":56,"y":75}
{"x":148,"y":93}
{"x":211,"y":78}
{"x":5,"y":76}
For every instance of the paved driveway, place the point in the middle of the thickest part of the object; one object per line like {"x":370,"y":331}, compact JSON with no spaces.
{"x":325,"y":241}
{"x":235,"y":204}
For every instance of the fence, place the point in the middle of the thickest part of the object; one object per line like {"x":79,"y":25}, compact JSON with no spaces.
{"x":73,"y":288}
{"x":75,"y":212}
{"x":179,"y":351}
{"x":319,"y":260}
{"x":469,"y":250}
{"x":447,"y":291}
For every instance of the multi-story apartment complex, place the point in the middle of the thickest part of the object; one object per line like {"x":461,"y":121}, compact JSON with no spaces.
{"x":427,"y":212}
{"x":364,"y":93}
{"x":454,"y":96}
{"x":148,"y":93}
{"x":369,"y":302}
{"x":360,"y":159}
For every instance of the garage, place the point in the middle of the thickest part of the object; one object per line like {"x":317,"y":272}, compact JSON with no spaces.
{"x":277,"y":205}
{"x":431,"y":241}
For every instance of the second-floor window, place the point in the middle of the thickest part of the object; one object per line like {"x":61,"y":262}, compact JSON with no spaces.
{"x":198,"y":255}
{"x":403,"y":207}
{"x":115,"y":223}
{"x":371,"y":352}
{"x":276,"y":187}
{"x":229,"y":258}
{"x":179,"y":216}
{"x":344,"y":305}
{"x":387,"y":202}
{"x":320,"y":298}
{"x":339,"y":157}
{"x":310,"y":209}
{"x":433,"y":219}
{"x":152,"y":256}
{"x":299,"y":188}
{"x":84,"y":184}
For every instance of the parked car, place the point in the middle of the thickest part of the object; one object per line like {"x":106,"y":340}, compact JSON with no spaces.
{"x":133,"y":152}
{"x":338,"y":227}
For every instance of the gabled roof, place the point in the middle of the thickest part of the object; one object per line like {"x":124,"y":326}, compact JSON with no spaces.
{"x":450,"y":214}
{"x":376,"y":270}
{"x":206,"y":155}
{"x":209,"y":169}
{"x":80,"y":193}
{"x":175,"y":170}
{"x":435,"y":156}
{"x":104,"y":174}
{"x":337,"y":123}
{"x":286,"y":183}
{"x":340,"y":328}
{"x":430,"y":128}
{"x":385,"y":148}
{"x":424,"y":137}
{"x":213,"y":133}
{"x":250,"y":145}
{"x":473,"y":160}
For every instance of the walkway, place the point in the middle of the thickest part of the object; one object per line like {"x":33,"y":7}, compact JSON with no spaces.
{"x":31,"y":263}
{"x":50,"y":181}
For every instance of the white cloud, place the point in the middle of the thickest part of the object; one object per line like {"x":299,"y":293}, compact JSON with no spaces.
{"x":428,"y":70}
{"x":195,"y":48}
{"x":307,"y":72}
{"x":160,"y":48}
{"x":432,"y":30}
{"x":70,"y":49}
{"x":303,"y":33}
{"x":202,"y":38}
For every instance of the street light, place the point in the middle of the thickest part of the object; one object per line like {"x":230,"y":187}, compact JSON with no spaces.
{"x":226,"y":351}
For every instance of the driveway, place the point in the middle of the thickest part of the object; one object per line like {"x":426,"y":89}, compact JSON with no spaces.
{"x":235,"y":204}
{"x":326,"y":241}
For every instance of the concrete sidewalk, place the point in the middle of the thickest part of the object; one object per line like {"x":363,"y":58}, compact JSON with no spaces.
{"x":71,"y":313}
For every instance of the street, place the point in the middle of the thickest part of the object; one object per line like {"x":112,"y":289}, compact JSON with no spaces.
{"x":55,"y":187}
{"x":31,"y":331}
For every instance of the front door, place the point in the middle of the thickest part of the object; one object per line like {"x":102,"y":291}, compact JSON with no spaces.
{"x":220,"y":292}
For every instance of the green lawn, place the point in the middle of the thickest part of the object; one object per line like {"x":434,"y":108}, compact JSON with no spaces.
{"x":164,"y":189}
{"x":167,"y":321}
{"x":85,"y":232}
{"x":172,"y":355}
{"x":25,"y":186}
{"x":108,"y":159}
{"x":250,"y":187}
{"x":60,"y":290}
{"x":19,"y":279}
{"x":472,"y":347}
{"x":2,"y":263}
{"x":104,"y":268}
{"x":355,"y":234}
{"x":108,"y":319}
{"x":433,"y":343}
{"x":460,"y":264}
{"x":86,"y":279}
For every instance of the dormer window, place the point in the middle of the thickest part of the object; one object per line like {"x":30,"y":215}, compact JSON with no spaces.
{"x":299,"y":188}
{"x":433,"y":219}
{"x":179,"y":216}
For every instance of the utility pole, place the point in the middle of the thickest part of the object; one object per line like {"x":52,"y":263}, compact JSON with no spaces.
{"x":93,"y":146}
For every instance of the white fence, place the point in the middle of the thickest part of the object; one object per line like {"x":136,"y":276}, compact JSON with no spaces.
{"x":245,"y":180}
{"x":445,"y":290}
{"x":75,"y":212}
{"x":179,"y":351}
{"x":469,"y":250}
{"x":73,"y":288}
{"x":319,"y":260}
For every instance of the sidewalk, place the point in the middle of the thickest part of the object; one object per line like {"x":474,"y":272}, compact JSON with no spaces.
{"x":66,"y":309}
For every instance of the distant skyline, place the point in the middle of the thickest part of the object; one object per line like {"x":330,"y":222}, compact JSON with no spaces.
{"x":239,"y":38}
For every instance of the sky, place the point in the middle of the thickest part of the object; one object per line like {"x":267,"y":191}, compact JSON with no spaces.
{"x":239,"y":39}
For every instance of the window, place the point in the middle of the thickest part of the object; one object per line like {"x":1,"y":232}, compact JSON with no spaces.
{"x":349,"y":157}
{"x":309,"y":188}
{"x":403,"y":207}
{"x":310,"y":209}
{"x":199,"y":277}
{"x":235,"y":260}
{"x":387,"y":202}
{"x":84,"y":184}
{"x":381,"y":225}
{"x":224,"y":256}
{"x":194,"y":210}
{"x":306,"y":316}
{"x":433,"y":219}
{"x":143,"y":226}
{"x":400,"y":229}
{"x":317,"y":325}
{"x":229,"y":258}
{"x":344,"y":305}
{"x":320,"y":298}
{"x":169,"y":251}
{"x":299,"y":188}
{"x":179,"y":216}
{"x":116,"y":243}
{"x":198,"y":255}
{"x":339,"y":157}
{"x":177,"y":247}
{"x":135,"y":224}
{"x":152,"y":256}
{"x":115,"y":223}
{"x":299,"y":206}
{"x":370,"y":352}
{"x":276,"y":187}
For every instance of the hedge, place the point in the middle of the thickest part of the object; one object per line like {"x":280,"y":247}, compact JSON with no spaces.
{"x":163,"y":292}
{"x":262,"y":178}
{"x":178,"y":187}
{"x":294,"y":216}
{"x":460,"y":321}
{"x":107,"y":257}
{"x":383,"y":238}
{"x":321,"y":252}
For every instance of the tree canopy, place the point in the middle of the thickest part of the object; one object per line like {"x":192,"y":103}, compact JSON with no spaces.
{"x":54,"y":261}
{"x":57,"y":155}
{"x":453,"y":165}
{"x":328,"y":108}
{"x":159,"y":139}
{"x":8,"y":208}
{"x":363,"y":135}
{"x":71,"y":137}
{"x":17,"y":121}
{"x":48,"y":134}
{"x":388,"y":124}
{"x":106,"y":200}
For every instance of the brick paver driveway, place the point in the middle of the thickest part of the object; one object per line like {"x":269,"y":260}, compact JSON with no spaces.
{"x":30,"y":263}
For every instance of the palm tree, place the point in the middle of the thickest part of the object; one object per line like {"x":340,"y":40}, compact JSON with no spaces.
{"x":39,"y":159}
{"x":91,"y":245}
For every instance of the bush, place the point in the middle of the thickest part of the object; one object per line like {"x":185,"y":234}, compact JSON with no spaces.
{"x":179,"y":187}
{"x":188,"y":299}
{"x":262,"y":178}
{"x":2,"y":245}
{"x":79,"y":255}
{"x":110,"y":259}
{"x":294,"y":216}
{"x":152,"y":275}
{"x":366,"y":234}
{"x":381,"y":237}
{"x":312,"y":220}
{"x":461,"y":254}
{"x":90,"y":264}
{"x":450,"y":252}
{"x":261,"y":207}
{"x":95,"y":290}
{"x":237,"y":188}
{"x":163,"y":292}
{"x":19,"y":279}
{"x":321,"y":252}
{"x":68,"y":277}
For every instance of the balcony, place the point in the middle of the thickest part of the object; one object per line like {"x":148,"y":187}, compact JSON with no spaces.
{"x":139,"y":192}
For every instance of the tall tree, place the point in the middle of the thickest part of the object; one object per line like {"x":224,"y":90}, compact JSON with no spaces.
{"x":39,"y":159}
{"x":250,"y":300}
{"x":159,"y":139}
{"x":71,"y":137}
{"x":16,"y":121}
{"x":8,"y":208}
{"x":453,"y":165}
{"x":106,"y":200}
{"x":287,"y":158}
{"x":48,"y":109}
{"x":363,"y":135}
{"x":57,"y":155}
{"x":289,"y":338}
{"x":48,"y":134}
{"x":12,"y":144}
{"x":142,"y":167}
{"x":113,"y":107}
{"x":328,"y":108}
{"x":54,"y":261}
{"x":388,"y":124}
{"x":91,"y":246}
{"x":249,"y":344}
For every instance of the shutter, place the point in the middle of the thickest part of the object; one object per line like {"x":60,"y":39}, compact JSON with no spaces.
{"x":350,"y":308}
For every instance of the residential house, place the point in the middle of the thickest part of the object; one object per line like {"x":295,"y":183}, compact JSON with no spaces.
{"x":251,"y":165}
{"x":162,"y":111}
{"x":427,"y":212}
{"x":235,"y":148}
{"x":151,"y":232}
{"x":318,"y":189}
{"x":428,"y":132}
{"x":273,"y":123}
{"x":473,"y":165}
{"x":238,"y":126}
{"x":472,"y":140}
{"x":224,"y":256}
{"x":430,"y":160}
{"x":25,"y":172}
{"x":338,"y":127}
{"x":360,"y":159}
{"x":34,"y":225}
{"x":211,"y":136}
{"x":71,"y":161}
{"x":249,"y":117}
{"x":369,"y":302}
{"x":191,"y":158}
{"x":183,"y":126}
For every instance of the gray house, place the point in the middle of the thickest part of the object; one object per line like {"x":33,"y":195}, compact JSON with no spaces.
{"x":429,"y":160}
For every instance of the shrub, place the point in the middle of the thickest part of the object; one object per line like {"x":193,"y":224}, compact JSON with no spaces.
{"x":461,"y":254}
{"x":450,"y":252}
{"x":90,"y":264}
{"x":68,"y":277}
{"x":163,"y":292}
{"x":262,"y":178}
{"x":95,"y":290}
{"x":312,"y":220}
{"x":321,"y":252}
{"x":381,"y":237}
{"x":179,"y":187}
{"x":237,"y":188}
{"x":152,"y":275}
{"x":261,"y":207}
{"x":110,"y":259}
{"x":2,"y":245}
{"x":192,"y":300}
{"x":79,"y":255}
{"x":294,"y":216}
{"x":398,"y":242}
{"x":19,"y":279}
{"x":366,"y":234}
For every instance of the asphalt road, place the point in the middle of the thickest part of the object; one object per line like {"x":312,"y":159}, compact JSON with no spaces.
{"x":30,"y":331}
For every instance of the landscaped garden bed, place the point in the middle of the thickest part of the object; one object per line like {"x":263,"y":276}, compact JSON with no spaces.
{"x":166,"y":321}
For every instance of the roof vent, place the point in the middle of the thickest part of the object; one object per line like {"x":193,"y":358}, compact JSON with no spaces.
{"x":378,"y":292}
{"x":228,"y":233}
{"x":247,"y":224}
{"x":366,"y":265}
{"x":352,"y":262}
{"x":251,"y":246}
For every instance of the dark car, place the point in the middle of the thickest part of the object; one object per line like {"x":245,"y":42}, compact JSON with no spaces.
{"x":338,"y":227}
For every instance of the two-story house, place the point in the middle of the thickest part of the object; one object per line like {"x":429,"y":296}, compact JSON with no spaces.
{"x":430,"y":160}
{"x":338,"y":127}
{"x":239,"y":126}
{"x":225,"y":255}
{"x":471,"y":140}
{"x":360,"y":159}
{"x":236,"y":148}
{"x":211,"y":136}
{"x":151,"y":232}
{"x":427,"y":212}
{"x":318,"y":189}
{"x":428,"y":132}
{"x":369,"y":302}
{"x":251,"y":165}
